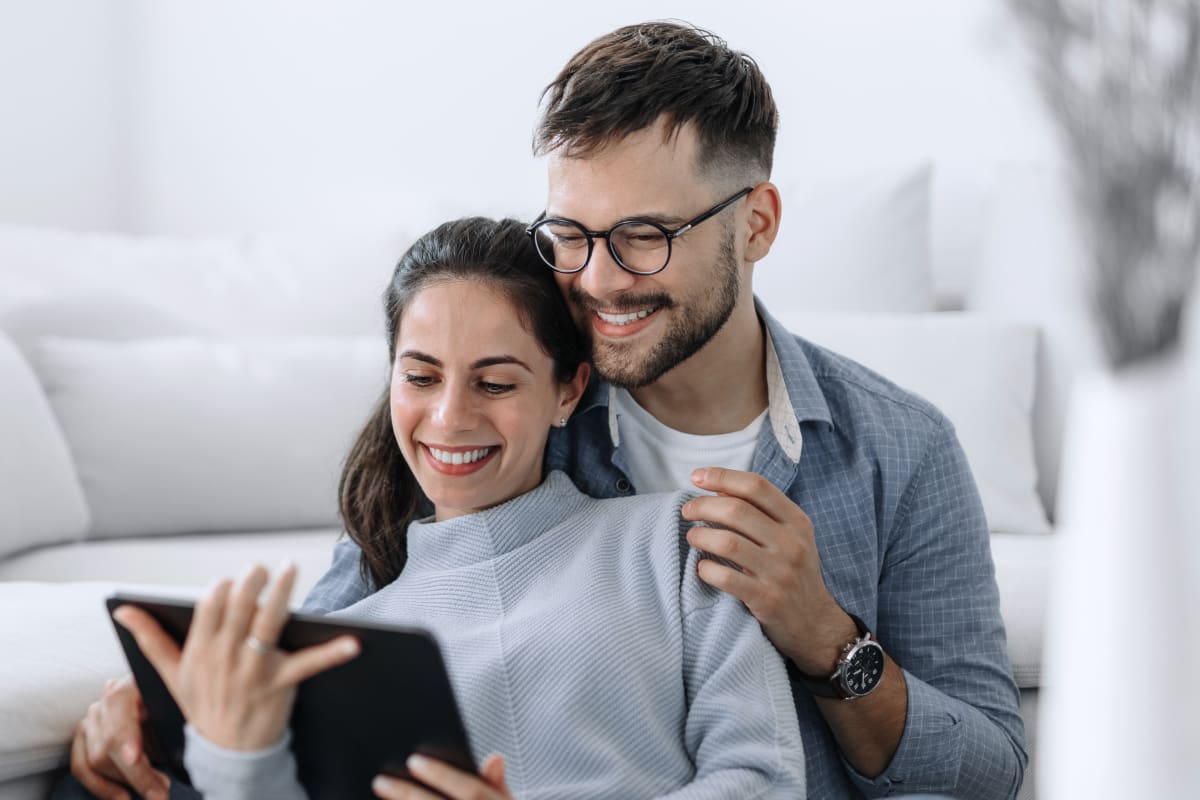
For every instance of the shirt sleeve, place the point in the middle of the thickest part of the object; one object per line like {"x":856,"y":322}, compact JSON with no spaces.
{"x":221,"y":774}
{"x":342,"y":585}
{"x":741,"y":729}
{"x":939,"y":618}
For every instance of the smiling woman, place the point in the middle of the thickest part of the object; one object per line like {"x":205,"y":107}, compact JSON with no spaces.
{"x":473,"y":397}
{"x":579,"y":639}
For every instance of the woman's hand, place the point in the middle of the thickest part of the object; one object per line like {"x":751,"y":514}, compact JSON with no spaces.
{"x":231,"y":682}
{"x":450,"y":781}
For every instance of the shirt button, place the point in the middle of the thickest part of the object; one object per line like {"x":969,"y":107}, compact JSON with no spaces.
{"x":622,"y":485}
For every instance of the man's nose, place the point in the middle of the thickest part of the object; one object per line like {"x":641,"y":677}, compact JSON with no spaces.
{"x":603,"y":276}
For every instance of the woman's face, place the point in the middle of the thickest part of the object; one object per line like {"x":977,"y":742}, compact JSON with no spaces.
{"x":473,"y":397}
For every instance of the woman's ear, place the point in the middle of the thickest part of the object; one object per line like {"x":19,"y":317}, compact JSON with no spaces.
{"x":572,"y":391}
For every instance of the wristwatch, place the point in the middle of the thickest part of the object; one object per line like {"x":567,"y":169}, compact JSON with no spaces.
{"x":857,"y":672}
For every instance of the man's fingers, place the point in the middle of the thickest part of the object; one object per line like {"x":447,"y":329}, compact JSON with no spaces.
{"x":158,"y":647}
{"x":732,"y":513}
{"x":149,"y":782}
{"x":303,"y":664}
{"x":729,"y":545}
{"x":750,"y":486}
{"x":89,"y":778}
{"x":729,"y":580}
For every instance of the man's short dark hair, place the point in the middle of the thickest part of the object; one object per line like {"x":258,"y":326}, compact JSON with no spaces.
{"x":628,"y":79}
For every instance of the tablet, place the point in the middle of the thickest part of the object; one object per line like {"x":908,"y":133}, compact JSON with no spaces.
{"x":350,"y":723}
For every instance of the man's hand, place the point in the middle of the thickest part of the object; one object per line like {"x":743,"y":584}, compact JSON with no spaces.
{"x":106,"y":752}
{"x":771,"y":539}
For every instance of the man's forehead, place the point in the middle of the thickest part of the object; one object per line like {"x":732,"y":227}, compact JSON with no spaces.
{"x":645,"y":173}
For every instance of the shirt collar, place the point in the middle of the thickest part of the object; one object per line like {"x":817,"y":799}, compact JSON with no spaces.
{"x":793,"y":394}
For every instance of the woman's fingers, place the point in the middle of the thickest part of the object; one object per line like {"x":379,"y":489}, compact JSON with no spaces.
{"x":243,"y":605}
{"x":155,"y":643}
{"x":390,"y":788}
{"x":273,"y":614}
{"x":303,"y":664}
{"x":453,"y":782}
{"x":492,"y":771}
{"x":210,"y":611}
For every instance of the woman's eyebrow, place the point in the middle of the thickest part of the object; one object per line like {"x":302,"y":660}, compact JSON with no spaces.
{"x":492,"y":361}
{"x":489,"y":361}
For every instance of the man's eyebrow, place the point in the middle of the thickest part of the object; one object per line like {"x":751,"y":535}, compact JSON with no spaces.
{"x":489,"y":361}
{"x":666,"y":220}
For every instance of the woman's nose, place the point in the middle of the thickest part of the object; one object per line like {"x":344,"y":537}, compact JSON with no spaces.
{"x":454,"y":409}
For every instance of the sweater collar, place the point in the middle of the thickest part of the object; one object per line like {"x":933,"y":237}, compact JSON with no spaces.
{"x":487,"y":534}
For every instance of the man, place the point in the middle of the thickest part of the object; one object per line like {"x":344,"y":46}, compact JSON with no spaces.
{"x":842,"y":511}
{"x":836,"y":492}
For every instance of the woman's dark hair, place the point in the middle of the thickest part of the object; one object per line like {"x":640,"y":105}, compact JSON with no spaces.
{"x":627,"y":80}
{"x":378,"y":496}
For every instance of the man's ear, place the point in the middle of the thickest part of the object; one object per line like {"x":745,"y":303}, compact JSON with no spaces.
{"x":765,"y":207}
{"x":572,"y":390}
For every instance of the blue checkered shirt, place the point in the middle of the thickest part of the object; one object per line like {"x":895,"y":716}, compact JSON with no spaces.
{"x":903,"y":544}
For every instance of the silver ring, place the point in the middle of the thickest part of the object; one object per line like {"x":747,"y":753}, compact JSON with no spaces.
{"x":258,"y":645}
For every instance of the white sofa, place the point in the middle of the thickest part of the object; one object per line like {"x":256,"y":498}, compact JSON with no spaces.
{"x":174,"y":410}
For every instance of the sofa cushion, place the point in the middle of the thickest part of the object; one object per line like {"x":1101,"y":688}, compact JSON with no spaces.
{"x":978,"y":370}
{"x":185,"y":435}
{"x":184,"y":561}
{"x":1023,"y":566}
{"x":40,"y":497}
{"x":852,"y":243}
{"x":59,"y":651}
{"x":324,"y":282}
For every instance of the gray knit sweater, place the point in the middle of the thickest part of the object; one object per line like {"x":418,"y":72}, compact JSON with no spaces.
{"x":581,"y":645}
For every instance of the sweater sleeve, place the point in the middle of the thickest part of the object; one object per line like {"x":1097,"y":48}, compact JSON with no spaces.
{"x":939,"y":618}
{"x":221,"y":774}
{"x":741,"y":729}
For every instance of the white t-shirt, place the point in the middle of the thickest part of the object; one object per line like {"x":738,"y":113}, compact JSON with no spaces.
{"x":661,"y":459}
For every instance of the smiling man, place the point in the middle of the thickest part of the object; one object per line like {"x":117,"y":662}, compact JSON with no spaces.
{"x":841,"y":507}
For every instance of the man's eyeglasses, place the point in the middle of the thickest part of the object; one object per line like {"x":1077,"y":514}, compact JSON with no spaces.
{"x":640,"y":246}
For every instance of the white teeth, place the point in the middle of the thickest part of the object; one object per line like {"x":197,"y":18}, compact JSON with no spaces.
{"x":459,"y":456}
{"x":625,"y":319}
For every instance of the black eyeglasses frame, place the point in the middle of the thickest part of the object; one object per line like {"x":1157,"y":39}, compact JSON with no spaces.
{"x":592,"y":236}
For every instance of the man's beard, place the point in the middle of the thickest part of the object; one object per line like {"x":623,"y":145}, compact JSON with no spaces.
{"x":687,"y":333}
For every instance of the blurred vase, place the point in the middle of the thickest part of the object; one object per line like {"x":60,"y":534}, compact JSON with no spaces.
{"x":1120,"y":704}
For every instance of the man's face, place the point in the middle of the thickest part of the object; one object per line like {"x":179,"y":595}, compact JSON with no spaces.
{"x":641,"y":326}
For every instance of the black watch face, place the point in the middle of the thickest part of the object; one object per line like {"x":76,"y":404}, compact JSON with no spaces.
{"x":862,"y":672}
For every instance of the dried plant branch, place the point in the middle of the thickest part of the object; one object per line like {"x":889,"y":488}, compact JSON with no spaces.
{"x":1122,"y":79}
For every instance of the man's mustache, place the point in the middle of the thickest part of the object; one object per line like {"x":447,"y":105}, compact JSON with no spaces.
{"x":627,"y":302}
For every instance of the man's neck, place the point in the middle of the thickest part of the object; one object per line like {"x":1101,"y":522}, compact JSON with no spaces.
{"x":721,"y":388}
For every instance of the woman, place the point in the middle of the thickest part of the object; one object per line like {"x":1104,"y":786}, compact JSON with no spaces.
{"x":579,"y":640}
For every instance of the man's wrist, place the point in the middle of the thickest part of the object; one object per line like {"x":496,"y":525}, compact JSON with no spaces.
{"x":821,"y":657}
{"x":857,"y":669}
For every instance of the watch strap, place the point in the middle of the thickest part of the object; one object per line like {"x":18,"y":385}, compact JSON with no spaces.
{"x":830,"y":685}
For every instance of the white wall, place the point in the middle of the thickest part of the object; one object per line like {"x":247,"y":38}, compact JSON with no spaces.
{"x":231,"y":116}
{"x":58,"y":107}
